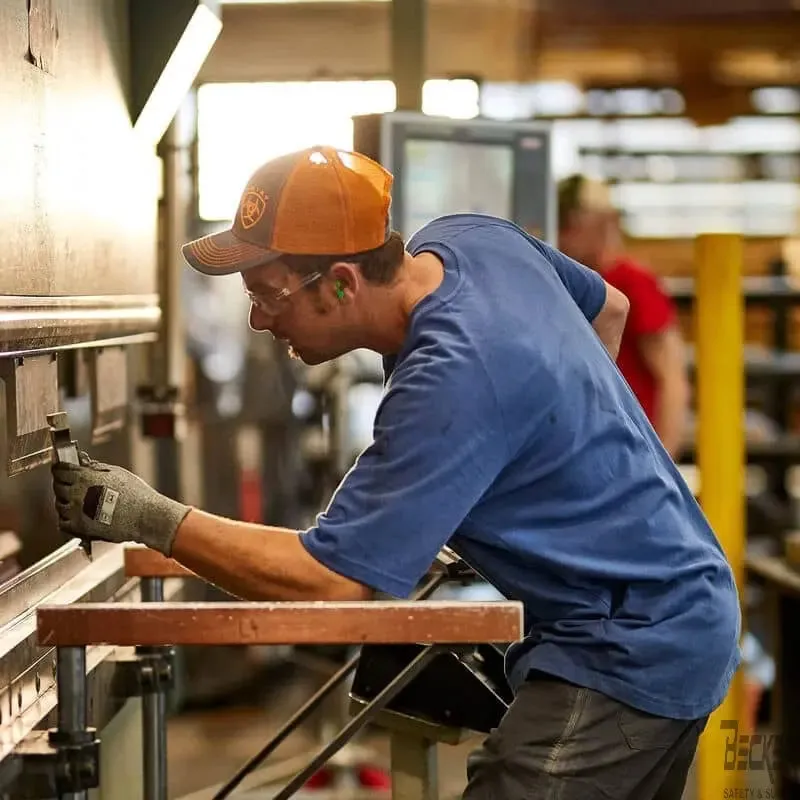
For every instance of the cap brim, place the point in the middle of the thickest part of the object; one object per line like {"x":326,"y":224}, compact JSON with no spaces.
{"x":223,"y":254}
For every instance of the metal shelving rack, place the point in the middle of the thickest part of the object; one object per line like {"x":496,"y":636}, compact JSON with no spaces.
{"x":771,"y":374}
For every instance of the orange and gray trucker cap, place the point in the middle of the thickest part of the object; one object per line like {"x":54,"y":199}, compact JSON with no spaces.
{"x":318,"y":201}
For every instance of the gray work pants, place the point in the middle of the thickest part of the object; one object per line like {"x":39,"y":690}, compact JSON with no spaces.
{"x":563,"y":742}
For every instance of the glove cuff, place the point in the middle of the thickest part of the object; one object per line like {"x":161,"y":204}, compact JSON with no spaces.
{"x":160,"y":523}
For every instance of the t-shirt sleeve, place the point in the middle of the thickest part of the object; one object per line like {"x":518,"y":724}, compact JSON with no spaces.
{"x":438,"y":445}
{"x":651,"y":308}
{"x":586,"y":286}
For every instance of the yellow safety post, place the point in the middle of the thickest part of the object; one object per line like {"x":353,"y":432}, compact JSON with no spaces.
{"x":719,"y":331}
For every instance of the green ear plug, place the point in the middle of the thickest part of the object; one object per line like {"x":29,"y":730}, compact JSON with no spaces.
{"x":339,"y":290}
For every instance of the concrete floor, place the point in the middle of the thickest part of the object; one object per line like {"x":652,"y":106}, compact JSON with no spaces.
{"x":206,"y":747}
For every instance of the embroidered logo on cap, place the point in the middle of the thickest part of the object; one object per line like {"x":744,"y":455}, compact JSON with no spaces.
{"x":252,"y":207}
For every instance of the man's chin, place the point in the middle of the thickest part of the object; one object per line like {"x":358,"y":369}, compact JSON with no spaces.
{"x":309,"y":359}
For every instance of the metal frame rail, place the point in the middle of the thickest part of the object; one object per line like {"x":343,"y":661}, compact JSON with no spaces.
{"x":153,"y":568}
{"x":440,"y":625}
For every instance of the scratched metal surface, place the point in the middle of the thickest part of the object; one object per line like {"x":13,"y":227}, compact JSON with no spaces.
{"x":39,"y":324}
{"x":27,"y":670}
{"x":78,"y":193}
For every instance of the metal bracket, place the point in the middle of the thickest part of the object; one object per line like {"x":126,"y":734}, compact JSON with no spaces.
{"x":148,"y":670}
{"x":108,"y":376}
{"x":65,"y":447}
{"x":31,"y":389}
{"x":455,"y":568}
{"x":54,"y":763}
{"x":65,"y":451}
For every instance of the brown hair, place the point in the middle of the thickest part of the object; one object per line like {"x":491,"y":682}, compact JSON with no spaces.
{"x":569,"y":198}
{"x":378,"y":266}
{"x":581,"y":193}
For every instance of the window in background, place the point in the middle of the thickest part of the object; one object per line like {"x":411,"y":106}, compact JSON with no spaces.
{"x":241,"y":125}
{"x":671,"y":178}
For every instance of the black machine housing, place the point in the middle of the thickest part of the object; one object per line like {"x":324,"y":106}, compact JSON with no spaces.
{"x":457,"y":689}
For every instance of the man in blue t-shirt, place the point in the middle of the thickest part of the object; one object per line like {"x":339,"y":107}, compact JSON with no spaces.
{"x":506,"y":432}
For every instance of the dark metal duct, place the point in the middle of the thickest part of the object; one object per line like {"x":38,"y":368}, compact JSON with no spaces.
{"x":611,"y":12}
{"x":169,"y":43}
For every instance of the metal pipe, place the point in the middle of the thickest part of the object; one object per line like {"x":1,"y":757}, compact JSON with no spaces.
{"x":71,"y":692}
{"x":153,"y":746}
{"x":360,"y":720}
{"x":304,"y":712}
{"x":71,"y":672}
{"x":719,"y":317}
{"x":152,"y":590}
{"x":169,"y":354}
{"x":154,"y":718}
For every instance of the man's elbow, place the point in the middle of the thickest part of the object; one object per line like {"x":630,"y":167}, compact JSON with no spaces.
{"x":344,"y":590}
{"x":618,"y":305}
{"x":360,"y":592}
{"x":609,"y":324}
{"x":614,"y":313}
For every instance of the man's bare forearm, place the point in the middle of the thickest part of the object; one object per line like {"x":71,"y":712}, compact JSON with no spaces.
{"x":672,"y":397}
{"x":256,"y":562}
{"x":663,"y":352}
{"x":611,"y":336}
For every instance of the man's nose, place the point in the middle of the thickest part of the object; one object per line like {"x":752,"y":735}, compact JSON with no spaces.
{"x":259,"y":320}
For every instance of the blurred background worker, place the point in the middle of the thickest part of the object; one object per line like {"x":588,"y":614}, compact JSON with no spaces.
{"x":651,"y":357}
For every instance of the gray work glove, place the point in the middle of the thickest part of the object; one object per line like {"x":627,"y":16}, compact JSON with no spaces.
{"x":100,"y":501}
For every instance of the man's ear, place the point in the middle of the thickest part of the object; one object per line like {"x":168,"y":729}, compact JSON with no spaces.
{"x":345,"y":281}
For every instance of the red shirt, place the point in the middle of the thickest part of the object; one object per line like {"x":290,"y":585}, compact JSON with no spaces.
{"x":651,"y":311}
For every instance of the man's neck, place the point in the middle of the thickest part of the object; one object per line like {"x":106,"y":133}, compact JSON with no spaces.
{"x":608,"y":261}
{"x":393,"y":305}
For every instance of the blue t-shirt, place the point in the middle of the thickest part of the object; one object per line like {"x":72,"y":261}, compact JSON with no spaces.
{"x":507,"y":432}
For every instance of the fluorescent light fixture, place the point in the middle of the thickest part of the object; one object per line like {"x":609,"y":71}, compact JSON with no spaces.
{"x":180,"y":66}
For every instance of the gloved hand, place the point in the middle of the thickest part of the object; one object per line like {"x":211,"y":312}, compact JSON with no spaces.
{"x":100,"y":501}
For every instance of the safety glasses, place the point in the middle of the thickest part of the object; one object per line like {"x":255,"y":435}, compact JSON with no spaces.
{"x":273,"y":304}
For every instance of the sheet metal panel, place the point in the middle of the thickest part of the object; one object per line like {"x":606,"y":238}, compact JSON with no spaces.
{"x":78,"y":193}
{"x":27,"y":669}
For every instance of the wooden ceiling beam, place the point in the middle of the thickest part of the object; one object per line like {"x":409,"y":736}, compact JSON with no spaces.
{"x":502,"y":40}
{"x":784,"y":37}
